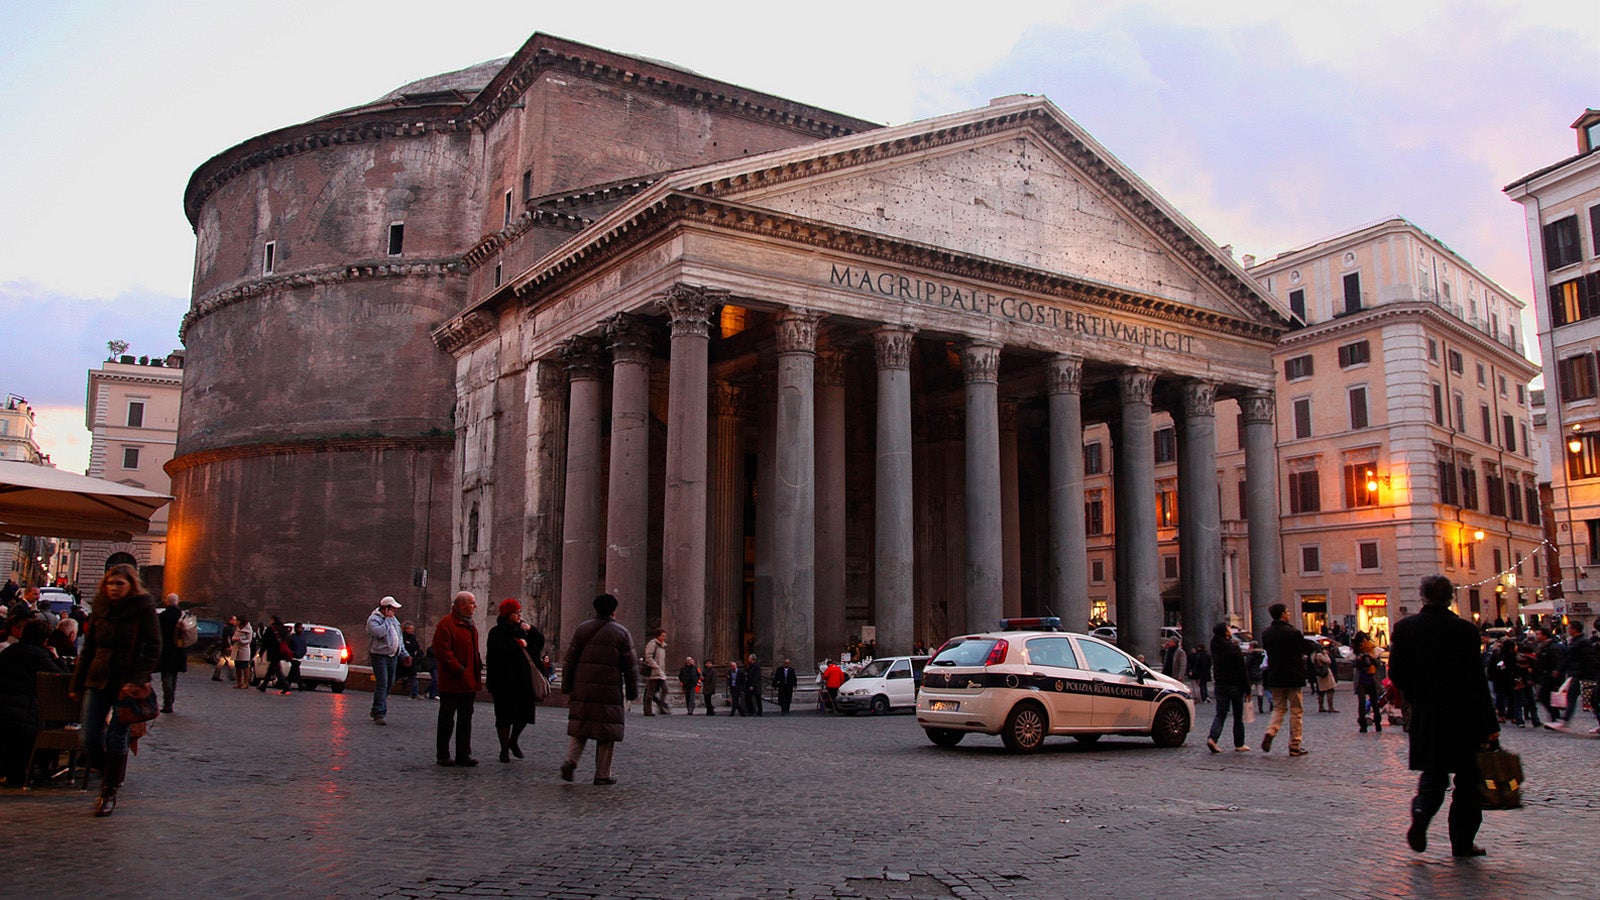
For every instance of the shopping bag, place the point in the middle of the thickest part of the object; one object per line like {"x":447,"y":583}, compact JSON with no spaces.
{"x":1558,"y":697}
{"x":1500,"y":774}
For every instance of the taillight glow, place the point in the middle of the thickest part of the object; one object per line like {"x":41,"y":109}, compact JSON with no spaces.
{"x":344,"y":655}
{"x":997,"y":653}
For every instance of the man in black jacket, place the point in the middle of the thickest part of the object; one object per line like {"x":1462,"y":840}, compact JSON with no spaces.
{"x":1434,"y":662}
{"x":1285,"y":678}
{"x":784,"y":680}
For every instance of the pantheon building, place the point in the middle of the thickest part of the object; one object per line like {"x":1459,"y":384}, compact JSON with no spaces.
{"x":778,"y":378}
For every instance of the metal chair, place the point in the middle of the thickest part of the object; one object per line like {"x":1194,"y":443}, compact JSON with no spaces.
{"x":58,"y":725}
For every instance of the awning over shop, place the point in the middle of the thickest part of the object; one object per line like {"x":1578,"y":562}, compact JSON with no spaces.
{"x":1547,"y":608}
{"x":47,"y":502}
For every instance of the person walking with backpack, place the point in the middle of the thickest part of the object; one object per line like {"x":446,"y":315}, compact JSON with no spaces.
{"x":121,"y":646}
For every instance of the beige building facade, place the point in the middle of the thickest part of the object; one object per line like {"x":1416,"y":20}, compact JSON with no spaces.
{"x":1404,"y":431}
{"x":1561,"y":205}
{"x":131,"y":411}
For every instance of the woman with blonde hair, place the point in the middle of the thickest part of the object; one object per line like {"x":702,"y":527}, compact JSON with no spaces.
{"x":121,"y":644}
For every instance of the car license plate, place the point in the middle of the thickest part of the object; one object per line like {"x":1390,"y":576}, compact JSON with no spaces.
{"x":944,"y":705}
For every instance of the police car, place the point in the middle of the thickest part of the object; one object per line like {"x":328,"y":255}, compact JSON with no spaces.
{"x":1030,"y":680}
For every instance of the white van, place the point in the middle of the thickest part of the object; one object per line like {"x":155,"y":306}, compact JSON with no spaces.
{"x":883,"y":684}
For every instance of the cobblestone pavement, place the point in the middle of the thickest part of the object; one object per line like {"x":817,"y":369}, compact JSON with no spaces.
{"x":249,"y":794}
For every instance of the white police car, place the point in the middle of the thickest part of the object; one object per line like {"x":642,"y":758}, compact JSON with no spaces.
{"x":1029,"y":680}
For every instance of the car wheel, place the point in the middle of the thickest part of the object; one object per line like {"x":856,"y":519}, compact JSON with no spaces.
{"x":213,"y":655}
{"x":308,"y":685}
{"x":880,"y":705}
{"x":1171,"y":726}
{"x":1087,"y":738}
{"x":945,"y":737}
{"x":1024,"y":729}
{"x":337,"y":687}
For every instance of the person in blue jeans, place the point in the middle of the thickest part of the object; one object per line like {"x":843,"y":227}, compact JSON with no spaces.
{"x":121,"y":646}
{"x":386,"y":647}
{"x":1233,"y":682}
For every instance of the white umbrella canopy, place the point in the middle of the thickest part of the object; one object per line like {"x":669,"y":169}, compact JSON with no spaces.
{"x":48,"y":502}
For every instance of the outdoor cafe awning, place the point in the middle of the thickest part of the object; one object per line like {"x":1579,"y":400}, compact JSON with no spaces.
{"x":46,"y":502}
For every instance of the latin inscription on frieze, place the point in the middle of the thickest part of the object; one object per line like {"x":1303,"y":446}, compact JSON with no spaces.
{"x":1033,"y":313}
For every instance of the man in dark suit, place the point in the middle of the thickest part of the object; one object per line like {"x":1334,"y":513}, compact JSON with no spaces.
{"x":1434,"y":662}
{"x":784,"y":679}
{"x":750,"y":680}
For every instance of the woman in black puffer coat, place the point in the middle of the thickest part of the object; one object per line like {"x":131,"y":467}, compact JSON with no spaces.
{"x":1233,"y":682}
{"x":121,"y":645}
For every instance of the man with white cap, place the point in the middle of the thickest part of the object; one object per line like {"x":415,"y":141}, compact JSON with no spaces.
{"x":386,"y":647}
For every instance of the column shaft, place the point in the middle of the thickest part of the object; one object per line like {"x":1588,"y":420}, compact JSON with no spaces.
{"x":543,"y":473}
{"x":980,"y":362}
{"x":1010,"y":512}
{"x":892,"y":545}
{"x":1199,"y":515}
{"x":727,"y":559}
{"x":627,"y":494}
{"x":1069,"y":540}
{"x":795,"y":499}
{"x":1261,"y":501}
{"x":830,"y":536}
{"x":683,"y":552}
{"x":1138,"y":584}
{"x":580,"y":528}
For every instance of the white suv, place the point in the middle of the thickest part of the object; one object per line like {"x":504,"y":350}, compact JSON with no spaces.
{"x":1030,"y":680}
{"x":889,"y":682}
{"x":327,"y":659}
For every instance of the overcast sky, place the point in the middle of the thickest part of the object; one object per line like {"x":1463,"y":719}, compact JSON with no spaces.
{"x":1270,"y":125}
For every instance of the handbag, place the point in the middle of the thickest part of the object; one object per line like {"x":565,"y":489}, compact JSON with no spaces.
{"x":1500,"y":779}
{"x":1558,"y":697}
{"x":139,"y":704}
{"x":541,"y":684}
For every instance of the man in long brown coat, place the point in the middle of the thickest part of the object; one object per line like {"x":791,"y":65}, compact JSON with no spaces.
{"x":599,"y":676}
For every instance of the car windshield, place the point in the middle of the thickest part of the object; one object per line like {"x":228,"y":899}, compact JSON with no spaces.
{"x":875,"y":669}
{"x":969,"y":652}
{"x":324,"y":637}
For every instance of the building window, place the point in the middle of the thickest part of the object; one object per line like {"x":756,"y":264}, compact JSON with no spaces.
{"x":1297,"y":368}
{"x":1358,"y":407}
{"x":1092,"y":460}
{"x":1449,"y":489}
{"x":1469,"y":559}
{"x":1094,"y":514}
{"x":1561,"y":245}
{"x":1355,"y":354}
{"x":1575,"y":376}
{"x":1302,"y":417}
{"x":1367,"y":556}
{"x":1530,"y":497}
{"x":1310,"y":559}
{"x":1514,"y":499}
{"x":1494,"y":486}
{"x":397,"y":238}
{"x":1169,"y":567}
{"x":1166,"y":505}
{"x":269,"y":258}
{"x":1469,"y":485}
{"x":508,"y":210}
{"x":1433,"y":351}
{"x":130,"y":457}
{"x":135,"y":413}
{"x":1586,"y":462}
{"x":1575,"y":300}
{"x":1508,"y":433}
{"x":1522,"y":395}
{"x":1527,"y":449}
{"x":1303,"y":494}
{"x":1243,"y":501}
{"x":1461,"y":413}
{"x":1166,"y":445}
{"x":1352,"y":293}
{"x":1438,"y":403}
{"x":1297,"y":304}
{"x":497,"y":274}
{"x":1502,"y":380}
{"x":527,"y":185}
{"x":1357,"y":478}
{"x":472,"y":529}
{"x":1486,"y":421}
{"x":1594,"y":541}
{"x":1456,"y":364}
{"x":1097,"y":571}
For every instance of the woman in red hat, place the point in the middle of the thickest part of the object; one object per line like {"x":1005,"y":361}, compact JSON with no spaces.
{"x":513,"y":647}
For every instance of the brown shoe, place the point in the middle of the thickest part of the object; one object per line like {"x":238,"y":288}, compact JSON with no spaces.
{"x":1266,"y":742}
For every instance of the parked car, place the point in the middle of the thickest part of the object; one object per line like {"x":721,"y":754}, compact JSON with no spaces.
{"x":1029,"y":680}
{"x":208,"y":644}
{"x":56,"y":601}
{"x":327,"y":659}
{"x":882,"y":685}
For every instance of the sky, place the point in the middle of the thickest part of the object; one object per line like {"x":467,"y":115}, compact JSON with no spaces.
{"x":1269,"y":125}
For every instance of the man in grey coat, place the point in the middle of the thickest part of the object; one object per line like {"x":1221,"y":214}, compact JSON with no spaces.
{"x":600,"y":675}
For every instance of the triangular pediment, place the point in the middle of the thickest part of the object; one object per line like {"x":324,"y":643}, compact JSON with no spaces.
{"x":1024,"y":187}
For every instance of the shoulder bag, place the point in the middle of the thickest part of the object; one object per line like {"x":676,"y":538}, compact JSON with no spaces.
{"x":541,"y":684}
{"x":1500,"y":778}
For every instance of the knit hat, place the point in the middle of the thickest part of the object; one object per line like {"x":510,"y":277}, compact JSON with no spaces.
{"x":509,"y":606}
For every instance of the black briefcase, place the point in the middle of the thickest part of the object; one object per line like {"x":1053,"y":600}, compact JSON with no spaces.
{"x":1500,"y":779}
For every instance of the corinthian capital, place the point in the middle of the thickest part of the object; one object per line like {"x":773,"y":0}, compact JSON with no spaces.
{"x":797,"y":330}
{"x":628,"y":338}
{"x":830,"y":367}
{"x":690,"y":308}
{"x":1065,"y":374}
{"x":1136,"y":386}
{"x":727,"y":399}
{"x":891,"y":345}
{"x":583,"y":357}
{"x":1257,"y":407}
{"x":980,"y":361}
{"x":1199,"y":398}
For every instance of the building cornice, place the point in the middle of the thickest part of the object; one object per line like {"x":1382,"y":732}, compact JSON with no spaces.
{"x":169,"y":377}
{"x":210,"y":303}
{"x":1388,"y":313}
{"x":307,"y":446}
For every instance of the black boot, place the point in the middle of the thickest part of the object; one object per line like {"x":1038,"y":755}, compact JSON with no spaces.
{"x":116,"y":766}
{"x":504,"y":733}
{"x":516,"y":748}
